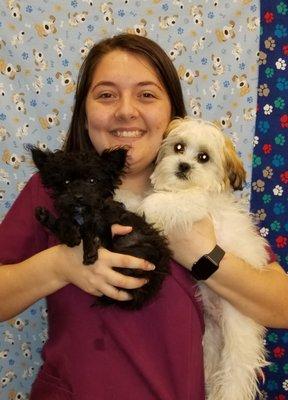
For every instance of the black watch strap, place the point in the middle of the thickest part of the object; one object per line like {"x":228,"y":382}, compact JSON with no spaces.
{"x":207,"y":264}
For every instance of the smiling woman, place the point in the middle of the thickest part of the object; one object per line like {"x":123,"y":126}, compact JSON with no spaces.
{"x":127,"y":104}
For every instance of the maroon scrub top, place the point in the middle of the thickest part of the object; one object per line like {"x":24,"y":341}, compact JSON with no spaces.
{"x":98,"y":353}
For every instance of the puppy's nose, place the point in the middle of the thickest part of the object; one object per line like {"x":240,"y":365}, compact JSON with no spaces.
{"x":78,"y":197}
{"x":184,"y":167}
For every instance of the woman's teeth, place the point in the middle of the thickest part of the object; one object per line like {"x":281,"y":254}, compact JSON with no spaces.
{"x":127,"y":134}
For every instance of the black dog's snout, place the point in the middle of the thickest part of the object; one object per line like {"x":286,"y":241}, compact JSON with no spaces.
{"x":184,"y":167}
{"x":78,"y":196}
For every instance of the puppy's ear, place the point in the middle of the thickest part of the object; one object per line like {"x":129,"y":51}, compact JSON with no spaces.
{"x":235,"y":172}
{"x":115,"y":158}
{"x":173,"y":125}
{"x":39,"y":156}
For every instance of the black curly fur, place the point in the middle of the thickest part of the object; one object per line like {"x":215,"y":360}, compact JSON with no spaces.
{"x":83,"y":185}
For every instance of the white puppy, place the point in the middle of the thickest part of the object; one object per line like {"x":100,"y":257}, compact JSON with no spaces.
{"x":196,"y":171}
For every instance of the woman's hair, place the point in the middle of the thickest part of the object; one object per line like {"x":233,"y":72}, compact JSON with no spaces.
{"x":78,"y":138}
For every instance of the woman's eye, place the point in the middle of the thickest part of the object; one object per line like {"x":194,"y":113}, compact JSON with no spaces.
{"x":203,"y":157}
{"x":105,"y":96}
{"x":147,"y":95}
{"x":179,"y":148}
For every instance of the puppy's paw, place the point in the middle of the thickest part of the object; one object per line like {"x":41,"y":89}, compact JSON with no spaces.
{"x":90,"y":258}
{"x":69,"y":234}
{"x":71,"y":241}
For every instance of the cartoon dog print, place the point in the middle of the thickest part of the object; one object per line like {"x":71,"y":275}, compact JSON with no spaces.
{"x":66,"y":81}
{"x":237,"y":51}
{"x":12,"y":159}
{"x":139,"y":29}
{"x":2,"y":197}
{"x":253,"y":23}
{"x":4,"y":353}
{"x":38,"y":84}
{"x":18,"y":323}
{"x":77,"y":18}
{"x":241,"y":84}
{"x":226,"y":33}
{"x":198,"y":44}
{"x":84,"y":50}
{"x":50,"y":120}
{"x":8,"y":69}
{"x":26,"y":350}
{"x":179,"y":4}
{"x":18,"y":39}
{"x":15,"y":10}
{"x":195,"y":106}
{"x":214,"y":88}
{"x":186,"y":74}
{"x":177,"y":50}
{"x":7,"y":378}
{"x":4,"y":177}
{"x":217,"y":65}
{"x":90,"y":2}
{"x":28,"y":372}
{"x":225,"y":121}
{"x":167,"y":21}
{"x":249,"y":113}
{"x":197,"y":14}
{"x":39,"y":60}
{"x":13,"y":395}
{"x":19,"y":101}
{"x":2,"y":43}
{"x":22,"y":131}
{"x":3,"y":133}
{"x":2,"y":90}
{"x":59,"y":46}
{"x":46,"y":27}
{"x":107,"y":11}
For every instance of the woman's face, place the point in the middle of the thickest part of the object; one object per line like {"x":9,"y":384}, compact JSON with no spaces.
{"x":127,"y":105}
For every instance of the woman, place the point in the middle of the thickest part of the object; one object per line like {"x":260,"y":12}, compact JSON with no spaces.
{"x":127,"y":93}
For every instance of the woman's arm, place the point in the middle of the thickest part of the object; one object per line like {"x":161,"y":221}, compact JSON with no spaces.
{"x":24,"y":283}
{"x":261,"y":294}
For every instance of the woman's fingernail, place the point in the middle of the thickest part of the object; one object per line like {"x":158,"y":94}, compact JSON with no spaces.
{"x":151,"y":267}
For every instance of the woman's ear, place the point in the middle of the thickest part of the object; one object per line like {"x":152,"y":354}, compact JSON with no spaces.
{"x":233,"y":165}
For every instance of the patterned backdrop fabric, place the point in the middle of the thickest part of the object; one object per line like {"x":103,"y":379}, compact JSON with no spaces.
{"x":215,"y":48}
{"x":270,"y":173}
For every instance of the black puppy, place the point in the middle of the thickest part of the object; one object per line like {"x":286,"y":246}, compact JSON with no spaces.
{"x":82,"y":185}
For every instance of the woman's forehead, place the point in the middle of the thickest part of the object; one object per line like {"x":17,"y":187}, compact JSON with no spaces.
{"x":132,"y":66}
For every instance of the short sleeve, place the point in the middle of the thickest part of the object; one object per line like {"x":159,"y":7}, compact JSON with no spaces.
{"x":21,"y":236}
{"x":271,"y":255}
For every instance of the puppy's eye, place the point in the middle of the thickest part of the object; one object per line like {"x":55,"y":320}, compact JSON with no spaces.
{"x":67,"y":182}
{"x":203,"y":157}
{"x":91,"y":180}
{"x":179,"y":148}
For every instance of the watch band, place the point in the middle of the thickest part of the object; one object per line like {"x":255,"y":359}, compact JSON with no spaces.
{"x":207,"y":264}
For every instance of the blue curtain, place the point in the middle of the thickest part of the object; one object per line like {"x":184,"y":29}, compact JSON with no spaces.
{"x":270,"y":172}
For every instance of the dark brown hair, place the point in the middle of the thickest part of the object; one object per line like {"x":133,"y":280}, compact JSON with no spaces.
{"x":78,"y":138}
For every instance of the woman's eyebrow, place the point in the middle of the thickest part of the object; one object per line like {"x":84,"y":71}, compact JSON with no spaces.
{"x":142,"y":83}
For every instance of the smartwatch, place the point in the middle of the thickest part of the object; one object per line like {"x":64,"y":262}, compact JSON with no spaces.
{"x":207,"y":264}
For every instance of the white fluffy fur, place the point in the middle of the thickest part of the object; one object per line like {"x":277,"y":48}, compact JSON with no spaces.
{"x":233,"y":344}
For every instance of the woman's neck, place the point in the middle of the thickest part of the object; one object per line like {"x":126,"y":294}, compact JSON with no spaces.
{"x":137,"y":183}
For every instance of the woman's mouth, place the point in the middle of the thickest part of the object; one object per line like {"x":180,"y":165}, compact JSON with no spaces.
{"x":127,"y":133}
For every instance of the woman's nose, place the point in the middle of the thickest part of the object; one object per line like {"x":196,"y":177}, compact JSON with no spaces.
{"x":126,"y":109}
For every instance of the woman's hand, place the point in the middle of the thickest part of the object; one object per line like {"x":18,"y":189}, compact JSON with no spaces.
{"x":100,"y":278}
{"x":189,"y":245}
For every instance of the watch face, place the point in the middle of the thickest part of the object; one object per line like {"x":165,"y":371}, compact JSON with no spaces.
{"x":203,"y":268}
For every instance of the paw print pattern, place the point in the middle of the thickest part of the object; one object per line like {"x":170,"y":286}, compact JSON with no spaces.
{"x":269,"y":174}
